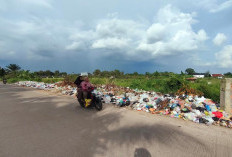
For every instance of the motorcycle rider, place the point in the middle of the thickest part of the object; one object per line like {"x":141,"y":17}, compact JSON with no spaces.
{"x":4,"y":80}
{"x":86,"y":87}
{"x":78,"y":83}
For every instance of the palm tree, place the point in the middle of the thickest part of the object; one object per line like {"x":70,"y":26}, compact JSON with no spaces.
{"x":13,"y":67}
{"x":2,"y":72}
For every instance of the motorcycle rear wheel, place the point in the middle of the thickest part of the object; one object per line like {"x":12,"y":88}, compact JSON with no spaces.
{"x":82,"y":104}
{"x":98,"y":105}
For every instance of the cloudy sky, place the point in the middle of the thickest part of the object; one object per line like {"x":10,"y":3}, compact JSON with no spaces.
{"x":133,"y":35}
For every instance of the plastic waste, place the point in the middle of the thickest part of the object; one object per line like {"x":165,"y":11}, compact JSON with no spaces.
{"x":188,"y":107}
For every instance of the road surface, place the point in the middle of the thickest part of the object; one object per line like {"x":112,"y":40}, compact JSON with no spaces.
{"x":36,"y":123}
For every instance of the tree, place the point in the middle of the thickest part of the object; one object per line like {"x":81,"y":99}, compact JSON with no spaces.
{"x":166,"y":73}
{"x":156,"y":74}
{"x":135,"y":73}
{"x":207,"y":74}
{"x":13,"y":67}
{"x":63,"y":74}
{"x":105,"y":74}
{"x":2,"y":72}
{"x":57,"y":73}
{"x":189,"y":71}
{"x":97,"y":72}
{"x":228,"y":74}
{"x":116,"y":73}
{"x":48,"y":73}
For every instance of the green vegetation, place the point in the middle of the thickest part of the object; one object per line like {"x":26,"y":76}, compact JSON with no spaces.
{"x":209,"y":87}
{"x":13,"y":73}
{"x":190,"y":71}
{"x":164,"y":82}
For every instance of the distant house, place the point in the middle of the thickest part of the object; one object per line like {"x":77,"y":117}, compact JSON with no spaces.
{"x":199,"y":75}
{"x":220,"y":76}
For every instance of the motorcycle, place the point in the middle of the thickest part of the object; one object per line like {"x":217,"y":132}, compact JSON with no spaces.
{"x":4,"y":81}
{"x":93,"y":100}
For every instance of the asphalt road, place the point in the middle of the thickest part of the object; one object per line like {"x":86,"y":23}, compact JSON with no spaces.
{"x":35,"y":123}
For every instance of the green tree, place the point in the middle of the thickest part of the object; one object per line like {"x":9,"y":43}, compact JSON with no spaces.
{"x":189,"y":71}
{"x":156,"y":74}
{"x":116,"y":73}
{"x":64,"y":74}
{"x":136,"y":73}
{"x":207,"y":74}
{"x":57,"y":73}
{"x":182,"y":73}
{"x":97,"y":72}
{"x":48,"y":73}
{"x":13,"y":67}
{"x":2,"y":72}
{"x":228,"y":74}
{"x":105,"y":74}
{"x":147,"y":74}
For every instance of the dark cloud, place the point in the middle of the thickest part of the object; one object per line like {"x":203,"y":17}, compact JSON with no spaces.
{"x":83,"y":36}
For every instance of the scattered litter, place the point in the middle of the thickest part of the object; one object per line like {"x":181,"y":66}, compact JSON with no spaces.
{"x":187,"y":107}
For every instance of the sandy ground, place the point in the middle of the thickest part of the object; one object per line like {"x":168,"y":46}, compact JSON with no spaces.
{"x":36,"y":123}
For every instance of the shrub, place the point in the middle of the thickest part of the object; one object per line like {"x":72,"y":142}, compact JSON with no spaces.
{"x":211,"y":91}
{"x":98,"y":81}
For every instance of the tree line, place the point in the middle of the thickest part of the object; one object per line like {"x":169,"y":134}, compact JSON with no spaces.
{"x":14,"y":70}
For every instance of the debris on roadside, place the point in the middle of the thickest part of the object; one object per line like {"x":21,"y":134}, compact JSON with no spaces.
{"x":187,"y":107}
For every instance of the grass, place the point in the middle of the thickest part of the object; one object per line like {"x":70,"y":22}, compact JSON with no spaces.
{"x":210,"y":87}
{"x":45,"y":80}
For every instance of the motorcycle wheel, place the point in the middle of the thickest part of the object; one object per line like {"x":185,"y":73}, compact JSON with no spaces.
{"x":98,"y":105}
{"x":82,"y":104}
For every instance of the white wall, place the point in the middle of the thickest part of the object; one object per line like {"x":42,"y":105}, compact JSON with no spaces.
{"x":199,"y":76}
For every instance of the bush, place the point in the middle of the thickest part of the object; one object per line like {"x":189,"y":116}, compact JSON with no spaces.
{"x":173,"y":84}
{"x":136,"y":84}
{"x":211,"y":91}
{"x":14,"y":80}
{"x":98,"y":81}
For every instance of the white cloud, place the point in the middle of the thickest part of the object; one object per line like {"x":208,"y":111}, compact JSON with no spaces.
{"x":111,"y":34}
{"x":155,"y":33}
{"x":219,"y":39}
{"x":221,"y":7}
{"x":213,"y":6}
{"x":172,"y":34}
{"x":118,"y":28}
{"x":224,"y":57}
{"x":111,"y":43}
{"x":201,"y":35}
{"x":74,"y":46}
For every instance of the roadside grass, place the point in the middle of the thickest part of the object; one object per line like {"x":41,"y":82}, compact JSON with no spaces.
{"x":210,"y":87}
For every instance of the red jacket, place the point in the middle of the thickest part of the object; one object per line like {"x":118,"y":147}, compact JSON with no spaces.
{"x":86,"y":86}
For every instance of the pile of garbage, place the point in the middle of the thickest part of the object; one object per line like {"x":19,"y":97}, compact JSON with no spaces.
{"x":65,"y":89}
{"x":188,"y":107}
{"x":37,"y":85}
